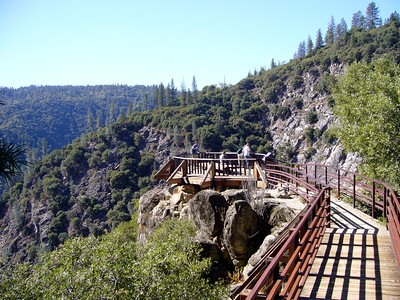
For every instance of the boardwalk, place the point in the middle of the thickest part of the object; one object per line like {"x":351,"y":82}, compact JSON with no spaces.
{"x":355,"y":260}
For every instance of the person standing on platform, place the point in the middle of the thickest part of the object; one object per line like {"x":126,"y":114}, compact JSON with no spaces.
{"x":246,"y":154}
{"x":194,"y":150}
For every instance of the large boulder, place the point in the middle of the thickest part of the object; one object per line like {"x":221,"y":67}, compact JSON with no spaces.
{"x":207,"y":210}
{"x":153,"y":208}
{"x":244,"y":231}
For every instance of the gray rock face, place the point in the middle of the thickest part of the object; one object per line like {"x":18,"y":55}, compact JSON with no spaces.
{"x":229,"y":228}
{"x":207,"y":209}
{"x":243,"y":232}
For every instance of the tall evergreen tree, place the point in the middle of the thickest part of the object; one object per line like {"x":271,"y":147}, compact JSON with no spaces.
{"x":98,"y":119}
{"x":182,"y":98}
{"x":372,"y":19}
{"x":189,"y":97}
{"x":301,"y":51}
{"x":195,"y":90}
{"x":89,"y":120}
{"x":273,"y":64}
{"x":161,"y":95}
{"x":330,"y":33}
{"x":168,"y":98}
{"x":357,"y":20}
{"x":146,"y":101}
{"x":310,"y":46}
{"x":174,"y":92}
{"x":319,"y":43}
{"x":341,"y":30}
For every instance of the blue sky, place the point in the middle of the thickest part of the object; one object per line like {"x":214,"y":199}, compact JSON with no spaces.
{"x":88,"y":42}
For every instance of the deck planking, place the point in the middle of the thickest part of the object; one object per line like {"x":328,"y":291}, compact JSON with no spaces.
{"x":355,"y":260}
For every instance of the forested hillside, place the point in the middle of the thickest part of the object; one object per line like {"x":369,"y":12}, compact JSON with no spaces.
{"x":92,"y":184}
{"x":45,"y":118}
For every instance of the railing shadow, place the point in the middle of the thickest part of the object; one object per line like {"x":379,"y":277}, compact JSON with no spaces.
{"x":351,"y":258}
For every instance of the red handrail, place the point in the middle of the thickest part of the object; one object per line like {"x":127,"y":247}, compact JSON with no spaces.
{"x":301,"y":246}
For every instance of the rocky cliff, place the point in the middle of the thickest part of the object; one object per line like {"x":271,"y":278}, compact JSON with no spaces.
{"x":234,"y":227}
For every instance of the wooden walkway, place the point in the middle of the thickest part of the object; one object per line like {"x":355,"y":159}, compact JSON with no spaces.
{"x":356,"y":259}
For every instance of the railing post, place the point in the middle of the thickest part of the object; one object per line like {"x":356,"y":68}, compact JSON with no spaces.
{"x":354,"y":190}
{"x":315,"y":176}
{"x":338,"y":184}
{"x":373,"y":199}
{"x":384,"y":201}
{"x":326,"y":175}
{"x":306,"y":174}
{"x":328,"y":208}
{"x":184,"y":168}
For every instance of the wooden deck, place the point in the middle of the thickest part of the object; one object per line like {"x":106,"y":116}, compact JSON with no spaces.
{"x":356,"y":260}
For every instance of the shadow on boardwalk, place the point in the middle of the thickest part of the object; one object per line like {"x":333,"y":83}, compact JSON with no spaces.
{"x":355,"y":260}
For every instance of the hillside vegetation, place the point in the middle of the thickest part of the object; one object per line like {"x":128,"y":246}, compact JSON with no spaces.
{"x":91,"y":185}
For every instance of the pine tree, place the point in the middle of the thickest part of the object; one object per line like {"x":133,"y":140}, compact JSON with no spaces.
{"x":174,"y":92}
{"x":310,"y":46}
{"x":161,"y":95}
{"x":330,"y":33}
{"x":195,"y":90}
{"x":273,"y":64}
{"x":89,"y":120}
{"x":168,"y":98}
{"x":319,"y":43}
{"x":357,"y":20}
{"x":182,"y":98}
{"x":301,"y":51}
{"x":372,"y":19}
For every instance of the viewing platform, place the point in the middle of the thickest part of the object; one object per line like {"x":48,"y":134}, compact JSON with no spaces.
{"x":208,"y":170}
{"x":331,"y":250}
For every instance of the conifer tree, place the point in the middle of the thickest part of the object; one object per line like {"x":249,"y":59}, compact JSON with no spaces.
{"x":273,"y":64}
{"x":330,"y":33}
{"x":182,"y":98}
{"x":372,"y":19}
{"x":168,"y":99}
{"x":161,"y":95}
{"x":174,"y":92}
{"x":341,"y":30}
{"x":357,"y":20}
{"x":310,"y":46}
{"x":89,"y":120}
{"x":301,"y":51}
{"x":319,"y":43}
{"x":195,"y":90}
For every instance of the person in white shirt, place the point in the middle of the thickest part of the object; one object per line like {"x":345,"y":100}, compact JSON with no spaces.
{"x":246,"y":153}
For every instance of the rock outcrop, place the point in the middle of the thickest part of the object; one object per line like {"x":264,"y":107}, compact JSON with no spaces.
{"x":232,"y":230}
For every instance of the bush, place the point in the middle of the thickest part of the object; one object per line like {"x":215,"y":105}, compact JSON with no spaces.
{"x":115,"y":266}
{"x":298,"y":103}
{"x":312,"y":117}
{"x":311,"y":134}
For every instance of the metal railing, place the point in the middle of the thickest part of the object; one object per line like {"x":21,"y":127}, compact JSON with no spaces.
{"x":298,"y":243}
{"x":371,"y":196}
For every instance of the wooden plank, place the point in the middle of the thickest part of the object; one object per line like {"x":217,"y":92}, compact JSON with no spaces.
{"x":355,"y":260}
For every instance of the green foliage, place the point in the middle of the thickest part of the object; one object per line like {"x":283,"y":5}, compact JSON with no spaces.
{"x":299,"y":103}
{"x":312,"y":117}
{"x":280,"y":111}
{"x":11,"y":159}
{"x":329,"y":136}
{"x":367,"y":102}
{"x":310,"y":152}
{"x":296,"y":81}
{"x":311,"y":134}
{"x":55,"y":115}
{"x":168,"y":266}
{"x":286,"y":152}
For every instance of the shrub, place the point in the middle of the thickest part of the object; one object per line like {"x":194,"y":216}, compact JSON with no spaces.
{"x":312,"y":117}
